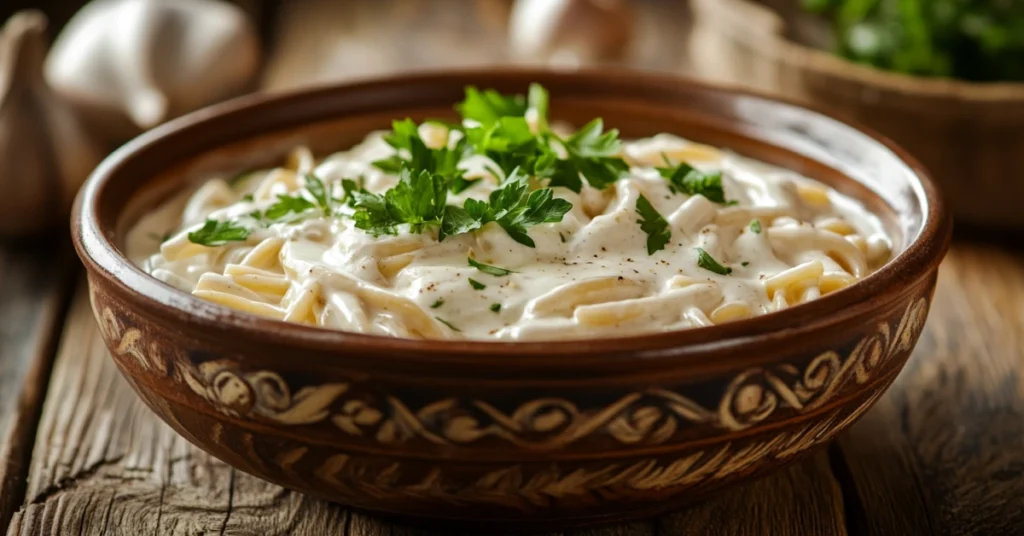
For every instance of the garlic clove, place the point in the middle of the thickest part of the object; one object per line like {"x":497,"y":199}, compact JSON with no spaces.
{"x":569,"y":32}
{"x":45,"y":154}
{"x":129,"y":65}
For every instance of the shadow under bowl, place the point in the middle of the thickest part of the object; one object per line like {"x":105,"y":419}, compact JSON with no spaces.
{"x":510,"y":434}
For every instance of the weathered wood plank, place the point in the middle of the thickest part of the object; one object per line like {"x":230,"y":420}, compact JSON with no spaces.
{"x":804,"y":499}
{"x":104,"y":464}
{"x":943,"y":453}
{"x":34,"y":287}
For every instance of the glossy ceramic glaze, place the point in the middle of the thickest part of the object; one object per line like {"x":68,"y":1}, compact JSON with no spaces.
{"x":511,"y":434}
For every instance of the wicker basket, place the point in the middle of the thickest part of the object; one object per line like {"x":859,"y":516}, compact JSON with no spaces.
{"x":970,"y":136}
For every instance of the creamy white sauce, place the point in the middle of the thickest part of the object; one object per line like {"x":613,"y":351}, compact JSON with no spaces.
{"x":588,"y":276}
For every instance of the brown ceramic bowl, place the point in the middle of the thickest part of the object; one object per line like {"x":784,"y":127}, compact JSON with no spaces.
{"x":552,"y":433}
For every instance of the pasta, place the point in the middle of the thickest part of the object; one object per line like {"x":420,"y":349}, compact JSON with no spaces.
{"x":776,"y":240}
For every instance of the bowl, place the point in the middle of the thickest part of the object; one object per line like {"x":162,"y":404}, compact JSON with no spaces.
{"x":510,"y":434}
{"x":970,"y":135}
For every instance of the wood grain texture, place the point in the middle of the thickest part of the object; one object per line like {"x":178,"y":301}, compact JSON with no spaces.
{"x":804,"y":499}
{"x":34,"y":286}
{"x":943,"y":452}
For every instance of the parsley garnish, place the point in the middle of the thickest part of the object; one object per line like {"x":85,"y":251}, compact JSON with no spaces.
{"x":512,"y":207}
{"x":744,"y":264}
{"x":443,"y":161}
{"x":500,"y":131}
{"x":495,"y":307}
{"x":689,"y":180}
{"x":488,"y":106}
{"x":594,"y":154}
{"x":476,"y":284}
{"x":217,"y":233}
{"x":755,"y":226}
{"x":247,"y":198}
{"x":289,"y":208}
{"x":418,"y":200}
{"x":658,"y":233}
{"x":707,"y":262}
{"x":447,"y":323}
{"x":286,"y":205}
{"x":438,"y":303}
{"x":488,"y":269}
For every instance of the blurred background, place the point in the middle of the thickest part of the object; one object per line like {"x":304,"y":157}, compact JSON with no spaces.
{"x":941,"y":77}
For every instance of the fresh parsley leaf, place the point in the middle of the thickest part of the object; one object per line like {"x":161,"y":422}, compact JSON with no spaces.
{"x":348,"y":186}
{"x":402,"y":134}
{"x":689,"y":180}
{"x":285,"y":206}
{"x":457,"y":220}
{"x":652,"y":223}
{"x":371,"y":214}
{"x":707,"y":262}
{"x":562,"y":173}
{"x":438,"y":303}
{"x":447,"y":323}
{"x":488,"y":269}
{"x":512,"y":206}
{"x":594,"y":153}
{"x":320,"y":193}
{"x":508,"y":142}
{"x":443,"y":161}
{"x":476,"y":284}
{"x":391,"y":164}
{"x":488,"y":106}
{"x":417,"y":200}
{"x":495,"y":307}
{"x":217,"y":233}
{"x":755,"y":226}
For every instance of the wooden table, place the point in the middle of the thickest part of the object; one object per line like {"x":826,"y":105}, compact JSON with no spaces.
{"x":941,"y":453}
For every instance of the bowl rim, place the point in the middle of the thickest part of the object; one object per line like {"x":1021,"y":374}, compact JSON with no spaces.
{"x":95,"y":247}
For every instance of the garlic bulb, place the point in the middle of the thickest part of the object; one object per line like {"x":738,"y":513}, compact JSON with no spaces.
{"x":569,"y":32}
{"x":44,"y":152}
{"x":129,"y":65}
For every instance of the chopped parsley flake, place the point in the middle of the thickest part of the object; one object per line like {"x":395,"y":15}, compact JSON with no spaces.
{"x":447,"y":323}
{"x":689,"y":180}
{"x":707,"y":262}
{"x":755,"y":226}
{"x":488,"y":269}
{"x":438,"y":303}
{"x":476,"y":284}
{"x":658,"y":233}
{"x":495,"y":307}
{"x":217,"y":233}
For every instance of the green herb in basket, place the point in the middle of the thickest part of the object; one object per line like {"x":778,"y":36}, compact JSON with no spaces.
{"x":978,"y":40}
